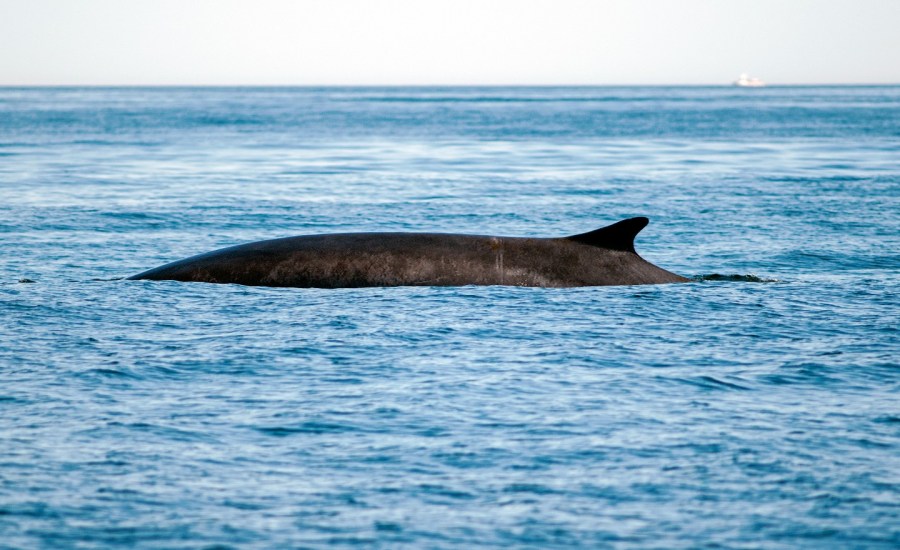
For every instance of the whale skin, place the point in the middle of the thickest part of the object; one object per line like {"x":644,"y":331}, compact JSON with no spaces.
{"x":602,"y":257}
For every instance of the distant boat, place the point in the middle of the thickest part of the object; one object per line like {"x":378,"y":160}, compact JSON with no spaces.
{"x":747,"y":81}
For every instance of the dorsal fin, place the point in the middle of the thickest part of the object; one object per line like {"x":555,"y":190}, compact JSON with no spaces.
{"x":618,"y":236}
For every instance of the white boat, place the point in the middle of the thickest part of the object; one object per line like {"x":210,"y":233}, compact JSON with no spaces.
{"x":747,"y":81}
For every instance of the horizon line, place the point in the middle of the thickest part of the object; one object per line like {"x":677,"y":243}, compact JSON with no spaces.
{"x":445,"y":85}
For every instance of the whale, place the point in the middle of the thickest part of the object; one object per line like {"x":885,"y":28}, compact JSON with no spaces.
{"x":602,"y":257}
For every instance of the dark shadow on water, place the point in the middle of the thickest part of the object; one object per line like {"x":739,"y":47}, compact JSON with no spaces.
{"x":733,"y":278}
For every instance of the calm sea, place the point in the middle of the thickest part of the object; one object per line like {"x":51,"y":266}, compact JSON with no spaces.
{"x":758,"y":406}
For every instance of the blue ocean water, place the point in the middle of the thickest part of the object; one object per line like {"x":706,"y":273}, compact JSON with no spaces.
{"x":755,"y":407}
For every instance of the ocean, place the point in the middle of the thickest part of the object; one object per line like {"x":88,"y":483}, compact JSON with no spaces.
{"x":755,"y":407}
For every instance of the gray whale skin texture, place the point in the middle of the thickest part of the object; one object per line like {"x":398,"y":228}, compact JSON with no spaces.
{"x":347,"y":260}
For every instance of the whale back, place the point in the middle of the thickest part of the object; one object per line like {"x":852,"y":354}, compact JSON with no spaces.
{"x":604,"y":256}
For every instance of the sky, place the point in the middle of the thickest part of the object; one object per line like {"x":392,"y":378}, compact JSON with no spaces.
{"x":459,"y":42}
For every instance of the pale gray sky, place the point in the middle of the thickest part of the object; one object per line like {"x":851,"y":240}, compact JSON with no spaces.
{"x":448,"y":42}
